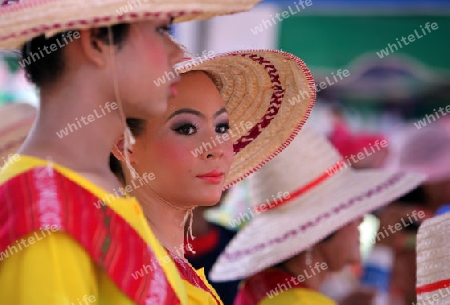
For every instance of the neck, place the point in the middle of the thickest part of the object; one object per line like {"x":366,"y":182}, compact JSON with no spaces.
{"x":72,"y":130}
{"x":165,"y":220}
{"x":200,"y":225}
{"x":313,"y":274}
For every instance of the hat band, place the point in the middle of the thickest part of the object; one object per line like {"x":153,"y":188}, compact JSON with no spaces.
{"x":274,"y":106}
{"x":300,"y":191}
{"x":433,"y":286}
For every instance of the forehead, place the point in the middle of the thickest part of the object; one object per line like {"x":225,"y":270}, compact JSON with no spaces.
{"x":196,"y":90}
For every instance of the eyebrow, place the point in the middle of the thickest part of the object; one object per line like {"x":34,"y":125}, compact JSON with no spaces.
{"x":195,"y":112}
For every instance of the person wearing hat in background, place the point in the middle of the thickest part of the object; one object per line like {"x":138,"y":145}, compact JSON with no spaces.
{"x":243,"y":102}
{"x":433,"y":257}
{"x":93,"y":68}
{"x":372,"y":147}
{"x":307,"y":208}
{"x":427,"y":151}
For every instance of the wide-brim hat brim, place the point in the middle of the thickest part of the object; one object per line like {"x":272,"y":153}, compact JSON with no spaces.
{"x":279,"y":234}
{"x":15,"y":123}
{"x":433,"y":256}
{"x":272,"y":92}
{"x":20,"y":22}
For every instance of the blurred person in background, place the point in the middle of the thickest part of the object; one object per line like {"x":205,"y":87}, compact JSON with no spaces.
{"x":400,"y":243}
{"x":427,"y":151}
{"x":360,"y":150}
{"x":307,"y":211}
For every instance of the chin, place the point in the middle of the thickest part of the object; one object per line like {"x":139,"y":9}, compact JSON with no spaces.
{"x":209,"y":199}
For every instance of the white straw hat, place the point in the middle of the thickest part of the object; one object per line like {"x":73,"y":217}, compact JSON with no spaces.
{"x":300,"y":197}
{"x":269,"y":95}
{"x":20,"y":21}
{"x":433,"y":261}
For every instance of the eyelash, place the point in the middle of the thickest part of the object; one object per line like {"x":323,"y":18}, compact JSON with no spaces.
{"x":164,"y":29}
{"x":223,"y":125}
{"x":179,"y":129}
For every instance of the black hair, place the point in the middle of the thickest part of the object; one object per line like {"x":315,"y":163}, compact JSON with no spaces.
{"x":416,"y":196}
{"x":137,"y":127}
{"x":50,"y":66}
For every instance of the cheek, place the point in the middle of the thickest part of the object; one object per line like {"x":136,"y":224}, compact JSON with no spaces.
{"x":173,"y":154}
{"x":146,"y":53}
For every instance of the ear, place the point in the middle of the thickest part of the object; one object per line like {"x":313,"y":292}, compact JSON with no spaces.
{"x":94,"y":49}
{"x":117,"y":150}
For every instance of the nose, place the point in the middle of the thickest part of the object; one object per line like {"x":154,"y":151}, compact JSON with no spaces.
{"x":214,"y":153}
{"x":176,"y":54}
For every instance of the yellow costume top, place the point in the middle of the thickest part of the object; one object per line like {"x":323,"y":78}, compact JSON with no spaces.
{"x":62,"y":243}
{"x":273,"y":286}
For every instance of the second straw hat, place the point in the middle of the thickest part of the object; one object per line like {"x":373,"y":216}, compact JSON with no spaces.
{"x":269,"y":95}
{"x":299,"y":198}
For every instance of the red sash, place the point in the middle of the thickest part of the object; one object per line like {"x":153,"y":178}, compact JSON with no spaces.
{"x":188,"y":274}
{"x":42,"y":197}
{"x":257,"y":287}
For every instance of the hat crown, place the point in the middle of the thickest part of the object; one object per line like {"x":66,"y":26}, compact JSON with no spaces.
{"x":296,"y":167}
{"x":426,"y":146}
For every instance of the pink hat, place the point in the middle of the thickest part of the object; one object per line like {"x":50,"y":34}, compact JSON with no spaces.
{"x":426,"y":151}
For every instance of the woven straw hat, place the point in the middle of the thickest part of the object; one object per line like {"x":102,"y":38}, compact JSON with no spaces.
{"x":298,"y":201}
{"x":269,"y":95}
{"x":22,"y":20}
{"x":15,"y":123}
{"x":433,"y":257}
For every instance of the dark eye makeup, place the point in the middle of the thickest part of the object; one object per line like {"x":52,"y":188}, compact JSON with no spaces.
{"x":188,"y":128}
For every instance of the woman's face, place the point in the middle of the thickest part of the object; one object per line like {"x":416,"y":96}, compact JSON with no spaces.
{"x":343,"y":247}
{"x":185,"y":147}
{"x":145,"y":68}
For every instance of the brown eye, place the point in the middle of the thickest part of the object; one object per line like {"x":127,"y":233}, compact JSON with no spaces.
{"x":222,"y":128}
{"x":186,"y":129}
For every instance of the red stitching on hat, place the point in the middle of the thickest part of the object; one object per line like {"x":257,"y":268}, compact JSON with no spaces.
{"x":274,"y":105}
{"x":74,"y":23}
{"x":300,"y":191}
{"x":433,"y":286}
{"x":312,"y":94}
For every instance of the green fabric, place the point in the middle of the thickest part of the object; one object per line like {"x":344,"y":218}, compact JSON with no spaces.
{"x":333,"y":42}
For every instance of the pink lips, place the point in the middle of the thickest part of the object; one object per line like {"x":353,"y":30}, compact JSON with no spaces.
{"x":214,"y":176}
{"x":173,"y":88}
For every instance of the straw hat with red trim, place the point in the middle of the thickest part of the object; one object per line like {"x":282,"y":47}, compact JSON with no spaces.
{"x":20,"y":21}
{"x":433,"y":257}
{"x":269,"y":95}
{"x":300,"y":197}
{"x":15,"y":123}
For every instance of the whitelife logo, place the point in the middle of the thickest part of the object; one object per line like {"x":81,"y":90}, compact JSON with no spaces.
{"x":300,"y":278}
{"x":71,"y":127}
{"x":411,"y":38}
{"x":53,"y":47}
{"x":280,"y":17}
